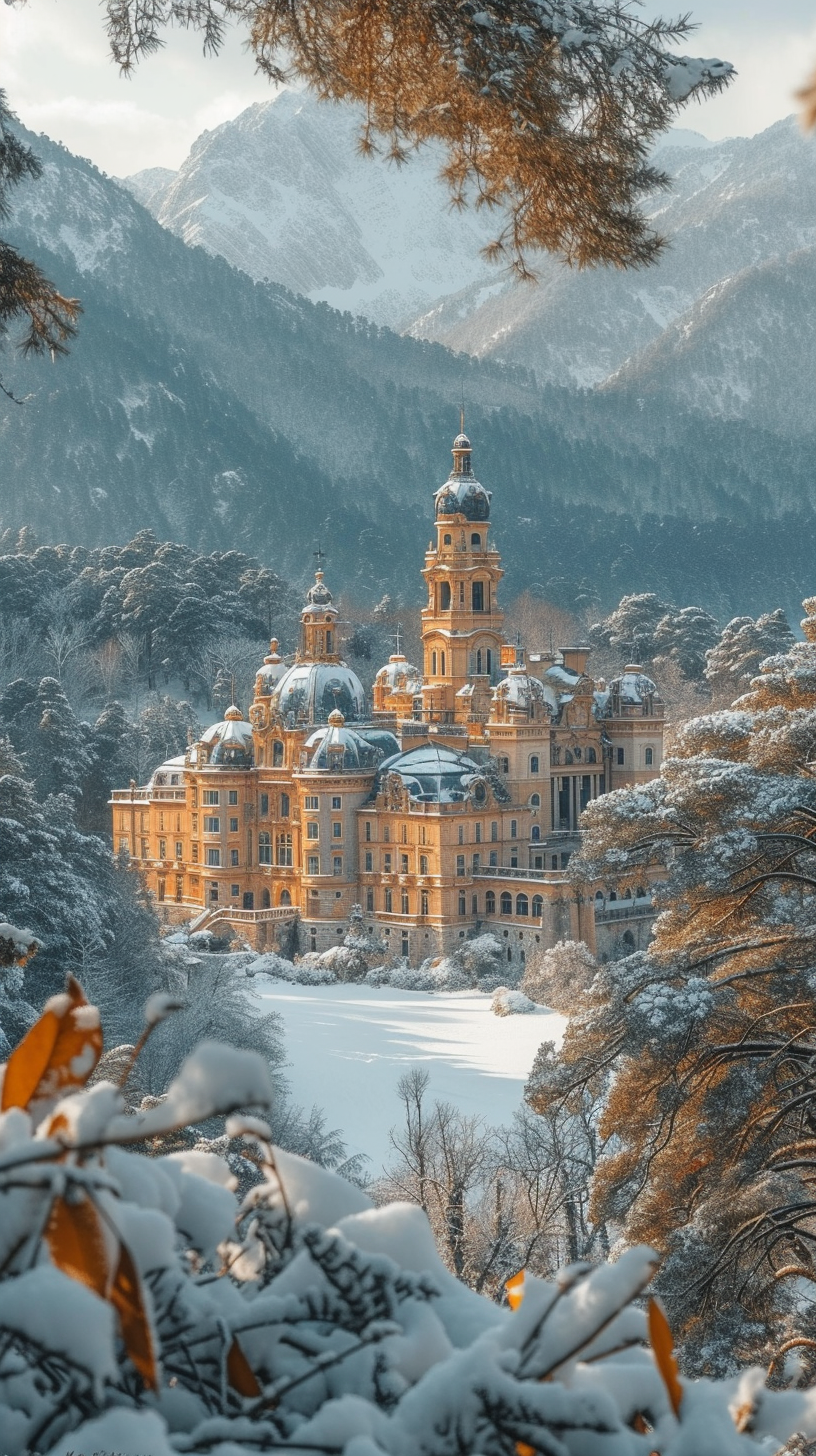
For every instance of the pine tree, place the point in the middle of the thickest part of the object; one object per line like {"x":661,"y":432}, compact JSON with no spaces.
{"x":733,"y":661}
{"x":711,"y":1111}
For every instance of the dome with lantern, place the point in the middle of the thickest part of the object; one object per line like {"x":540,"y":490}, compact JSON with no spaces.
{"x":337,"y":747}
{"x":521,"y":691}
{"x":462,"y":494}
{"x":270,"y":674}
{"x":310,"y":691}
{"x":399,"y":676}
{"x":230,"y":741}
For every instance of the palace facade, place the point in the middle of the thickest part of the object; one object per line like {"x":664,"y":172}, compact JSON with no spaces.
{"x":447,"y":805}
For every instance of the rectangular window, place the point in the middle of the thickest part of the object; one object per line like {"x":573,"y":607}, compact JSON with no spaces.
{"x":264,"y":805}
{"x":514,"y":829}
{"x":213,"y":856}
{"x":474,"y":905}
{"x":337,"y":829}
{"x":494,"y":857}
{"x":233,"y":826}
{"x":312,"y":801}
{"x":478,"y":596}
{"x":234,"y":857}
{"x":124,"y":845}
{"x":404,"y":902}
{"x":424,"y":902}
{"x":620,"y":755}
{"x":422,"y":833}
{"x":386,"y":834}
{"x":232,"y":796}
{"x":337,"y":864}
{"x":403,"y":864}
{"x":368,"y":831}
{"x":162,"y":849}
{"x":477,"y":863}
{"x":461,"y":833}
{"x":478,"y":833}
{"x":212,"y":824}
{"x":210,"y":796}
{"x":312,"y":829}
{"x":213,"y":890}
{"x":369,"y":861}
{"x":313,"y":864}
{"x":337,"y":802}
{"x":423,"y":864}
{"x":369,"y":899}
{"x":494,"y":831}
{"x":179,"y":849}
{"x":386,"y":864}
{"x":235,"y":891}
{"x":460,"y":864}
{"x":462,"y":903}
{"x":284,"y":843}
{"x":389,"y":902}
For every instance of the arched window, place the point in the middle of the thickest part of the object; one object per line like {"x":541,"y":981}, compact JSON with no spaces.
{"x":535,"y":833}
{"x":599,"y":895}
{"x":264,"y":847}
{"x":506,"y":903}
{"x":475,"y":539}
{"x":277,"y":753}
{"x":592,"y":756}
{"x":433,"y":664}
{"x":534,"y":764}
{"x":522,"y":905}
{"x":285,"y":898}
{"x":266,"y":899}
{"x":640,"y":893}
{"x":535,"y":803}
{"x":423,"y":864}
{"x":479,"y":662}
{"x":568,"y":758}
{"x":423,"y":903}
{"x":446,"y":539}
{"x":443,"y":664}
{"x":537,"y":909}
{"x":490,"y":903}
{"x":628,"y":938}
{"x":649,"y":757}
{"x":444,"y":597}
{"x":577,"y":755}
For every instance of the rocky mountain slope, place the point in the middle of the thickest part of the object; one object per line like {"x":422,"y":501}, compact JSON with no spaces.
{"x":282,"y":193}
{"x":224,"y":412}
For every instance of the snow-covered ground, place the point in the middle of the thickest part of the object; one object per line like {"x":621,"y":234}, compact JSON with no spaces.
{"x":347,"y":1046}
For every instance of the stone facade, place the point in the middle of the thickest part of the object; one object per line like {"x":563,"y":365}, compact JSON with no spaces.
{"x":449,"y":806}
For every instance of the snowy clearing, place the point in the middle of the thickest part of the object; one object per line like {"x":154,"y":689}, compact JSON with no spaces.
{"x":347,"y":1046}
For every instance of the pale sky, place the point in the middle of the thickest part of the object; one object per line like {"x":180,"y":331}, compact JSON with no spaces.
{"x":55,"y":68}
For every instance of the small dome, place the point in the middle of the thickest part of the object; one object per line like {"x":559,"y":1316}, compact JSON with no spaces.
{"x":319,"y":594}
{"x":461,"y":442}
{"x":337,"y":747}
{"x":463,"y":495}
{"x":231,"y":740}
{"x":520,"y":690}
{"x":633,"y":686}
{"x":400,"y":675}
{"x":312,"y":690}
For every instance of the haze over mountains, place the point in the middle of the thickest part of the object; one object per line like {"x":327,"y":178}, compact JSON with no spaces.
{"x":283,"y":193}
{"x":232,"y":413}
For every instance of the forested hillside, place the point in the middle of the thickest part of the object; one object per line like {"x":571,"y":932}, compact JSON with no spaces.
{"x":226,"y":413}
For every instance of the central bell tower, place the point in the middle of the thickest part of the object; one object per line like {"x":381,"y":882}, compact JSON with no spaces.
{"x":462,"y":622}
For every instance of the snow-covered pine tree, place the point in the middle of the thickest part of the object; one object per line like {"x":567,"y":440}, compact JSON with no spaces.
{"x":709,"y":1037}
{"x":734,"y":660}
{"x":144,"y":1308}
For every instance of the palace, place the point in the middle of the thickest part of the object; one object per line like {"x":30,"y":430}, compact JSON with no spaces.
{"x":447,"y":806}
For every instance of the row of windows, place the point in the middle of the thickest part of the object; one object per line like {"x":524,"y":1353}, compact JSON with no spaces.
{"x":479,"y":596}
{"x":475,"y":540}
{"x":524,"y":905}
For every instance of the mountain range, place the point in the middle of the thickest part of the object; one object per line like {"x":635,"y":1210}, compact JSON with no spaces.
{"x":227,"y":411}
{"x":283,"y":193}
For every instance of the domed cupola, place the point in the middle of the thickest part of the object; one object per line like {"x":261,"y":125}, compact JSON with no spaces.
{"x":519,"y":694}
{"x":337,"y":748}
{"x":309,"y":691}
{"x":318,"y":624}
{"x":229,"y":743}
{"x":462,"y":494}
{"x":271,"y":673}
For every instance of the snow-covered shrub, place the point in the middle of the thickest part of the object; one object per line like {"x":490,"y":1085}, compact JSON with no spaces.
{"x":559,"y":976}
{"x":305,"y":972}
{"x":143,"y":1308}
{"x":507,"y":1002}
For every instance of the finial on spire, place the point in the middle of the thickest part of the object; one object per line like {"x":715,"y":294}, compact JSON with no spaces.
{"x":398,"y":638}
{"x":319,"y":556}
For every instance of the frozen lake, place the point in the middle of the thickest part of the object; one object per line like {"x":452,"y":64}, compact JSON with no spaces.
{"x":348,"y":1045}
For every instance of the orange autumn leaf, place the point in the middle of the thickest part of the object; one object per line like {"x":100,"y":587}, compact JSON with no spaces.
{"x":76,"y":1243}
{"x":58,"y":1053}
{"x":240,"y":1374}
{"x":515,"y":1289}
{"x":662,"y":1343}
{"x":126,"y":1296}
